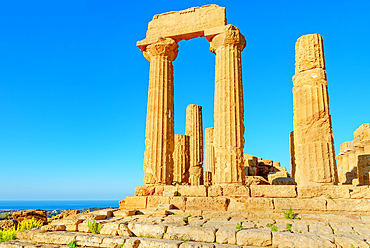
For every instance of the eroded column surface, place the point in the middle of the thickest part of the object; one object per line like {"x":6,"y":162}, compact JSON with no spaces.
{"x":159,"y":142}
{"x":194,"y":129}
{"x":313,"y":134}
{"x":229,"y":107}
{"x":181,"y":159}
{"x":209,"y":151}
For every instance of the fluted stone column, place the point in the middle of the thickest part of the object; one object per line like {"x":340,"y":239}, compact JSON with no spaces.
{"x":181,"y":159}
{"x":159,"y":142}
{"x":313,"y":134}
{"x":194,"y":129}
{"x":209,"y":151}
{"x":292,"y":153}
{"x":229,"y":106}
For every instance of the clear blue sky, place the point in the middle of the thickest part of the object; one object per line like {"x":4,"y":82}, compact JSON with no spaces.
{"x":73,"y":86}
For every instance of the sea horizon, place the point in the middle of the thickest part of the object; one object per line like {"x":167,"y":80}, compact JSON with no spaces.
{"x":56,"y":204}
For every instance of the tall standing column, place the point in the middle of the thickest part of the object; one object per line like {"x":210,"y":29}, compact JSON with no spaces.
{"x":313,"y":134}
{"x":181,"y":159}
{"x":159,"y":142}
{"x":194,"y":129}
{"x":209,"y":151}
{"x":229,"y":106}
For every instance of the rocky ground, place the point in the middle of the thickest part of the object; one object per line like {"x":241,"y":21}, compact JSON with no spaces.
{"x":192,"y":229}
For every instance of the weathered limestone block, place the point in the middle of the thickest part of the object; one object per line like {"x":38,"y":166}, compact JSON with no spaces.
{"x":59,"y":238}
{"x":360,"y":192}
{"x":147,"y":230}
{"x":320,"y":228}
{"x":178,"y":202}
{"x":257,"y":237}
{"x":276,"y":176}
{"x":122,"y":204}
{"x":184,"y":24}
{"x":159,"y":143}
{"x":215,"y":190}
{"x":328,"y":191}
{"x":53,"y":228}
{"x":252,"y":204}
{"x":194,"y":129}
{"x":313,"y":134}
{"x":29,"y":214}
{"x":192,"y":190}
{"x":113,"y":241}
{"x":273,"y":191}
{"x":154,"y":201}
{"x":284,"y":181}
{"x":285,"y":239}
{"x":181,"y":158}
{"x":363,"y":168}
{"x":159,"y":243}
{"x":136,"y":202}
{"x":7,"y":224}
{"x":349,"y":205}
{"x":196,"y":245}
{"x":124,"y":213}
{"x":228,"y":107}
{"x":300,"y":204}
{"x":235,"y":190}
{"x":226,"y":235}
{"x":345,"y":241}
{"x":255,"y":180}
{"x":200,"y":234}
{"x":89,"y":240}
{"x":209,"y":151}
{"x":209,"y":203}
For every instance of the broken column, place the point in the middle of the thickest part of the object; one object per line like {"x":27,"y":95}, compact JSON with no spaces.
{"x":159,"y":142}
{"x":313,"y":134}
{"x":181,"y":159}
{"x":194,"y":129}
{"x":229,"y":106}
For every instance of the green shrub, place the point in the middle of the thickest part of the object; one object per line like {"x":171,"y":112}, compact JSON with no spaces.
{"x":11,"y":233}
{"x":94,"y":227}
{"x":289,"y":227}
{"x":8,"y":234}
{"x":73,"y":243}
{"x":290,"y":214}
{"x":239,"y":226}
{"x":273,"y":227}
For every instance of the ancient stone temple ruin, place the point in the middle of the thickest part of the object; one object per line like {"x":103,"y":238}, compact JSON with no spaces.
{"x":354,"y":158}
{"x":186,"y":173}
{"x":212,"y":194}
{"x":226,"y":150}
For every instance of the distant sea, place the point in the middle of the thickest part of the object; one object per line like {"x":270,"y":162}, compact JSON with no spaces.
{"x":57,"y":205}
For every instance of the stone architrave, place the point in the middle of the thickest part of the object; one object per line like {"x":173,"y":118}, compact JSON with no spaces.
{"x":313,"y":134}
{"x":159,"y":142}
{"x":181,"y":159}
{"x":229,"y":106}
{"x":209,"y":151}
{"x":194,"y":129}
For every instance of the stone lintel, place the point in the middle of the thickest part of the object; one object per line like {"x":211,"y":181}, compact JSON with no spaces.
{"x":184,"y":24}
{"x":208,"y":33}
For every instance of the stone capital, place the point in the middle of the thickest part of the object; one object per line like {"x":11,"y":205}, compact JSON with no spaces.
{"x":163,"y":47}
{"x":230,"y":36}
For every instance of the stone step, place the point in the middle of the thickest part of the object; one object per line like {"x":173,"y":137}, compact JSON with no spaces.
{"x":129,"y":243}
